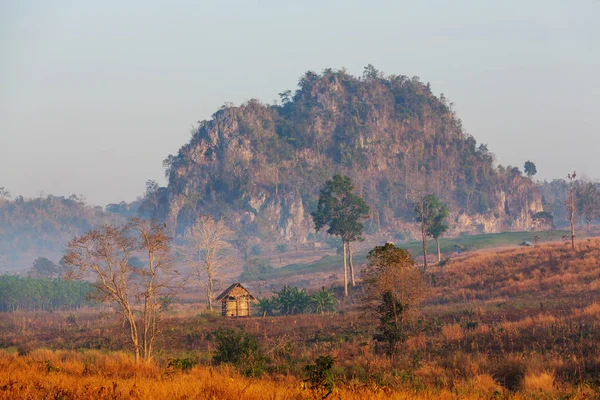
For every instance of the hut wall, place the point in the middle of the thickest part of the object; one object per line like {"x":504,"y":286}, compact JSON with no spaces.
{"x":235,"y":307}
{"x":243,"y":307}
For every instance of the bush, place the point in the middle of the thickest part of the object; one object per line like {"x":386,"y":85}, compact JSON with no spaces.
{"x":255,"y":250}
{"x":509,"y":373}
{"x":240,"y":349}
{"x":318,"y":377}
{"x":181,"y":364}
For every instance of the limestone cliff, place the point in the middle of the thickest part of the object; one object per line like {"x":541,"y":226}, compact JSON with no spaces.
{"x":261,"y":166}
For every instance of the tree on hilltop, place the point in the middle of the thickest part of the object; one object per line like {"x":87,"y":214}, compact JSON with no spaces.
{"x":342,"y":211}
{"x":530,"y":169}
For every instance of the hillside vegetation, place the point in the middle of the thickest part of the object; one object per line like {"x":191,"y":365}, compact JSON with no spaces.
{"x":449,"y":246}
{"x":42,"y":226}
{"x":261,"y":165}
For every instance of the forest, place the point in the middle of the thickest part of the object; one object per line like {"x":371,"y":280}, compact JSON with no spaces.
{"x":41,"y":227}
{"x":31,"y":294}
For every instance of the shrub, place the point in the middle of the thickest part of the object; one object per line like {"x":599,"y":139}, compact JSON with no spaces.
{"x":509,"y":373}
{"x":319,"y":378}
{"x":24,"y":349}
{"x":390,"y":332}
{"x":255,"y":250}
{"x":181,"y":364}
{"x":240,"y":349}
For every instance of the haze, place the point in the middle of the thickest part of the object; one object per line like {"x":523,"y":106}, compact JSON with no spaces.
{"x":94,"y":95}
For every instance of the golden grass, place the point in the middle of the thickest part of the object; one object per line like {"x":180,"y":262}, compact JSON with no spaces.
{"x":90,"y":375}
{"x":592,"y":310}
{"x":539,"y":382}
{"x":485,"y":385}
{"x":62,"y":376}
{"x":551,"y":269}
{"x":453,"y":332}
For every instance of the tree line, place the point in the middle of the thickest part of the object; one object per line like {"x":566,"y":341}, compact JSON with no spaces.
{"x":32,"y":294}
{"x":42,"y":226}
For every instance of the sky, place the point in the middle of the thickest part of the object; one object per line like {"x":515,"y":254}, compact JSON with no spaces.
{"x":95,"y":95}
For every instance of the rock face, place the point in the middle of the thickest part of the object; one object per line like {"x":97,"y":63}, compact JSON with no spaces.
{"x":261,"y":166}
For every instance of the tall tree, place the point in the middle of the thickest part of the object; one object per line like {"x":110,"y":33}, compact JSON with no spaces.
{"x":530,"y":168}
{"x":105,"y":254}
{"x":588,"y":202}
{"x":393,"y":287}
{"x":570,"y":205}
{"x":342,"y":211}
{"x":209,"y":251}
{"x":438,"y":227}
{"x":430,"y":212}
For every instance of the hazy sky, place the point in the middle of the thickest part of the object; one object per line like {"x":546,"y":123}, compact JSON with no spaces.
{"x":95,"y":94}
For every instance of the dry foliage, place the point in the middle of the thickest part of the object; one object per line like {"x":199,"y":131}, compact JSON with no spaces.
{"x":107,"y":255}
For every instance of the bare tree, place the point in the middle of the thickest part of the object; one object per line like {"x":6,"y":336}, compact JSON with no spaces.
{"x":209,"y":251}
{"x":570,"y":206}
{"x":106,"y":254}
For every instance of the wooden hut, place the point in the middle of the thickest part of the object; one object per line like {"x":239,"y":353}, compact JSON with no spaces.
{"x":236,"y":301}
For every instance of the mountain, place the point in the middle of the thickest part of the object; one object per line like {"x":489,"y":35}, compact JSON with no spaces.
{"x":261,"y":166}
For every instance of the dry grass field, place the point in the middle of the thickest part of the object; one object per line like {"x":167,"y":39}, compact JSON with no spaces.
{"x":518,"y":323}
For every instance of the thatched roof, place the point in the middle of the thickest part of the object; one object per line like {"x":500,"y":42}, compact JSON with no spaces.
{"x":236,"y":290}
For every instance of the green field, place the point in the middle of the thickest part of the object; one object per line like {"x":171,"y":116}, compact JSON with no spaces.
{"x":448,"y":245}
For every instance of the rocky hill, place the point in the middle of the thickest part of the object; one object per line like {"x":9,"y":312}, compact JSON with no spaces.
{"x":261,"y":166}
